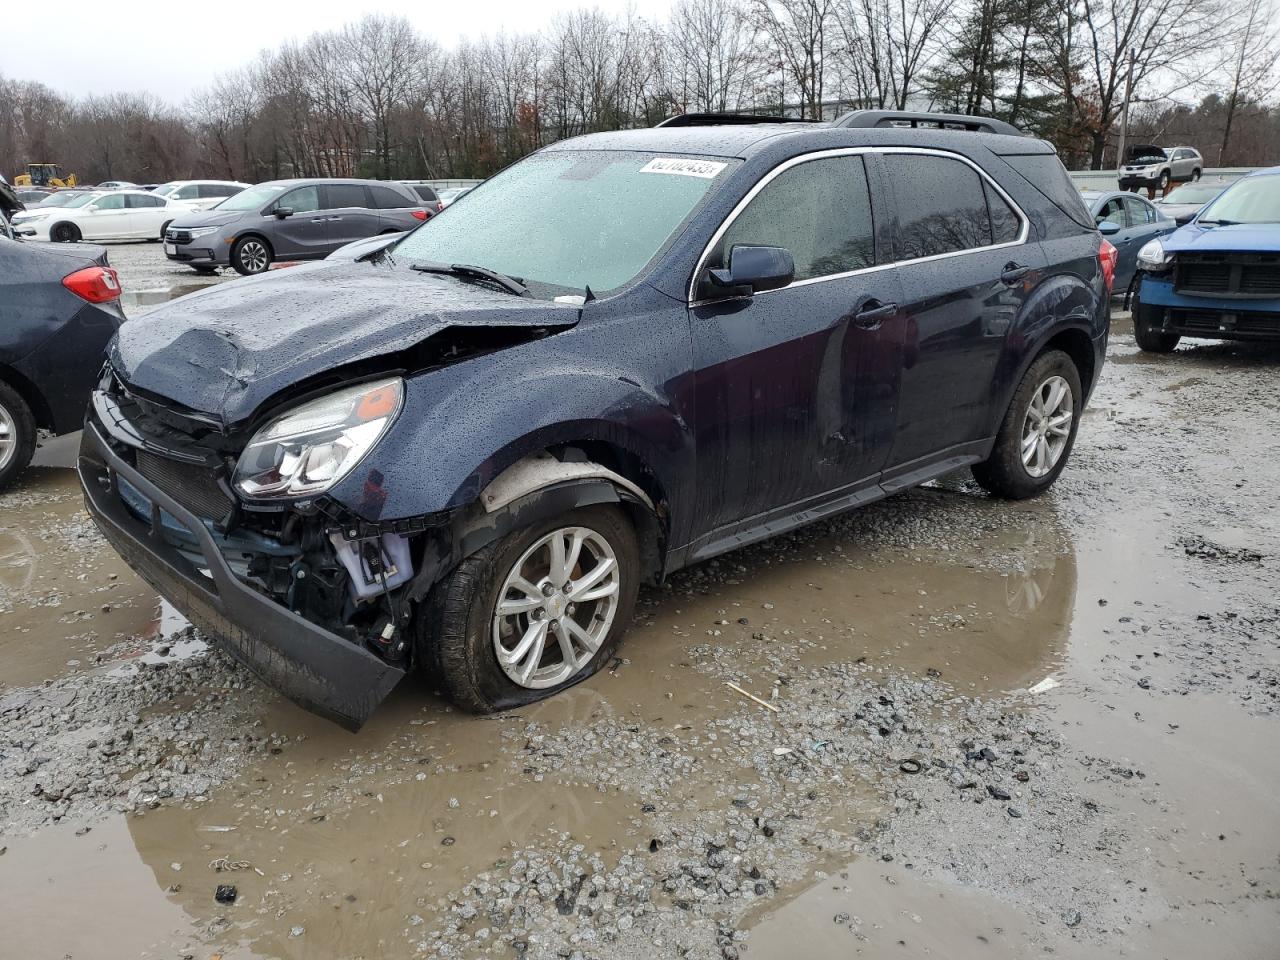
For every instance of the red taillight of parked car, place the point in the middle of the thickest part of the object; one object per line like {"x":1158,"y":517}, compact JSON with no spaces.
{"x":1107,"y":256}
{"x":420,"y":214}
{"x":95,"y":284}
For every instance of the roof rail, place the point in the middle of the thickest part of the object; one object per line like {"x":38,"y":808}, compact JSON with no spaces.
{"x":917,"y":119}
{"x":723,"y":119}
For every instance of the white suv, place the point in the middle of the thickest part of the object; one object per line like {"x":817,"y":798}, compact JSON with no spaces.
{"x":1150,"y":166}
{"x":190,"y":196}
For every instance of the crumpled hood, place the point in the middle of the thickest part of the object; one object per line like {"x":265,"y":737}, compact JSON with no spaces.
{"x":1259,"y":237}
{"x":226,"y":350}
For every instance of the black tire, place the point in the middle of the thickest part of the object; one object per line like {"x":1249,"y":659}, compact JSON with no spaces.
{"x":18,"y":426}
{"x":1146,"y":330}
{"x":1195,"y":174}
{"x":163,"y":227}
{"x":206,"y":271}
{"x":453,"y":630}
{"x":64,"y":233}
{"x":1003,"y":473}
{"x":251,"y":255}
{"x":1165,"y":179}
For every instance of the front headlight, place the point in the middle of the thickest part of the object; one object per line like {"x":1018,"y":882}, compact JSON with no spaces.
{"x":1152,"y":257}
{"x":307,"y":450}
{"x":202,"y":231}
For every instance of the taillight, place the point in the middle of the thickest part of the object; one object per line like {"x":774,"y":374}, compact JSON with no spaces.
{"x":419,"y":214}
{"x":95,"y":284}
{"x":1107,"y":256}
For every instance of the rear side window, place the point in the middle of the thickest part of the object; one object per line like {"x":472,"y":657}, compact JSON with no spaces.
{"x":111,"y":202}
{"x":345,"y":195}
{"x":208,"y":190}
{"x":1045,"y":172}
{"x":819,"y":210}
{"x":942,"y":206}
{"x":137,"y":200}
{"x":384,"y":198}
{"x":188,"y":192}
{"x":425,"y":192}
{"x":1005,"y":225}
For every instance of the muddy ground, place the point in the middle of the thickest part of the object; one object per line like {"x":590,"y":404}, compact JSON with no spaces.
{"x":1001,"y":730}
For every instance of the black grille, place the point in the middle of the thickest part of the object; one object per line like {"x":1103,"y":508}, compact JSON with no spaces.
{"x":192,"y":486}
{"x":1231,"y":274}
{"x":1217,"y":323}
{"x":174,"y":235}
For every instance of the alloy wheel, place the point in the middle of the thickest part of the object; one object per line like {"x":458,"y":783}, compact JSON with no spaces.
{"x":8,"y":437}
{"x":556,"y":607}
{"x":1046,"y":428}
{"x":253,"y":256}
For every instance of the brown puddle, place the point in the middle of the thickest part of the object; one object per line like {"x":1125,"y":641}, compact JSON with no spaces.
{"x":64,"y":594}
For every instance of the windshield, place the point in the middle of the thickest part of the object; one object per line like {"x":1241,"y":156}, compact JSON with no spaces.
{"x":1192,"y":194}
{"x":565,"y":220}
{"x":58,"y":199}
{"x":1251,"y":200}
{"x":253,"y":198}
{"x":165,"y":188}
{"x":80,"y":199}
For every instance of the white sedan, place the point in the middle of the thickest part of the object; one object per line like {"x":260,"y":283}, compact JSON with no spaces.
{"x":114,"y":215}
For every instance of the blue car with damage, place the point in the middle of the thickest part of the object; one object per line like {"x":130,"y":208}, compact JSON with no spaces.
{"x":1217,"y":277}
{"x":464,"y":450}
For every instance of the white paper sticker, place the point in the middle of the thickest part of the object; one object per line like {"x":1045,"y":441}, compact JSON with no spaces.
{"x":681,"y":167}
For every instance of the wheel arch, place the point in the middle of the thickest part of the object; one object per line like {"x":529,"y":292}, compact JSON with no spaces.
{"x":30,"y":395}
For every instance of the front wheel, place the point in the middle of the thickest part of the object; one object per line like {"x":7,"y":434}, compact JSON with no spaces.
{"x":250,"y":255}
{"x":1164,"y":182}
{"x":534,"y":612}
{"x":17,"y":435}
{"x":1038,"y":431}
{"x":1195,"y":174}
{"x":65,"y":233}
{"x":1146,"y":330}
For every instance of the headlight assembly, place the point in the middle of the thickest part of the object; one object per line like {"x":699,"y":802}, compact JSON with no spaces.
{"x":306,"y":451}
{"x":1152,"y":257}
{"x":202,"y":231}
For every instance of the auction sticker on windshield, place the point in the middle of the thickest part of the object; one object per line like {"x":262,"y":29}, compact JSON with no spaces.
{"x":682,"y":167}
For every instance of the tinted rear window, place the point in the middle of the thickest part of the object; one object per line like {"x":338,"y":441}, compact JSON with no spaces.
{"x":1045,"y":172}
{"x":942,"y":207}
{"x":342,"y":195}
{"x":425,"y":192}
{"x":384,"y":198}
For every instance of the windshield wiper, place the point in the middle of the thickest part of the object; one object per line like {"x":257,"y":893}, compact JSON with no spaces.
{"x":510,"y":284}
{"x":1220,"y":223}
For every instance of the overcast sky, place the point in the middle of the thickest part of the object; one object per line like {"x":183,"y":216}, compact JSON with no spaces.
{"x":171,"y":49}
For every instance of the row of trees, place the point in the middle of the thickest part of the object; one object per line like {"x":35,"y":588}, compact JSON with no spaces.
{"x":377,"y":98}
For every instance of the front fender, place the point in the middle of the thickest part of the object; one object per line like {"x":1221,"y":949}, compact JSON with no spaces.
{"x":461,"y":426}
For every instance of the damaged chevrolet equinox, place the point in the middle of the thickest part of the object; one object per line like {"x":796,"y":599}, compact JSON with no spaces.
{"x":629,"y":352}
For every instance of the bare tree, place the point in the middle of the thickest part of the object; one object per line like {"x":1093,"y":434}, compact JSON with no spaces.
{"x":797,"y":33}
{"x":713,"y":55}
{"x":1252,"y":70}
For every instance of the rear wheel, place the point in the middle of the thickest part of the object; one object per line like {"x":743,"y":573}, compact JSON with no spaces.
{"x":534,"y":612}
{"x":17,"y":435}
{"x":1146,"y":330}
{"x":65,"y":233}
{"x":1195,"y":174}
{"x":1164,"y":182}
{"x":1038,"y":431}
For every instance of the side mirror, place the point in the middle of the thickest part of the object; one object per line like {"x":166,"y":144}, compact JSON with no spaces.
{"x":754,"y":269}
{"x":1108,"y":228}
{"x":90,"y":208}
{"x":282,"y":212}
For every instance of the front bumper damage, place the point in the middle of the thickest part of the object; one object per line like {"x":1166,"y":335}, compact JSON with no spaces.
{"x":321,"y":671}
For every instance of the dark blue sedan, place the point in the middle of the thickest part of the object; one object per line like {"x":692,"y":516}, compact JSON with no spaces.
{"x":1129,"y":222}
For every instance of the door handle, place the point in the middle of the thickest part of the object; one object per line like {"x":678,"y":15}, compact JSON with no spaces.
{"x":1013,"y":272}
{"x":873,"y":313}
{"x":319,"y":219}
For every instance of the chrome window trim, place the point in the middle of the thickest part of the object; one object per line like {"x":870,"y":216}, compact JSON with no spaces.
{"x":1023,"y":232}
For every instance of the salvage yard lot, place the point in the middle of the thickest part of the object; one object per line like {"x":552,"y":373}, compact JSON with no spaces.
{"x":1001,"y":729}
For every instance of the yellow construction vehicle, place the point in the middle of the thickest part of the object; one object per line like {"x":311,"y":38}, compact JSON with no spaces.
{"x":44,"y":175}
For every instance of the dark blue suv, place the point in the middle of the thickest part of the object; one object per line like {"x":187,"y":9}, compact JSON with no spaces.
{"x":627,"y":353}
